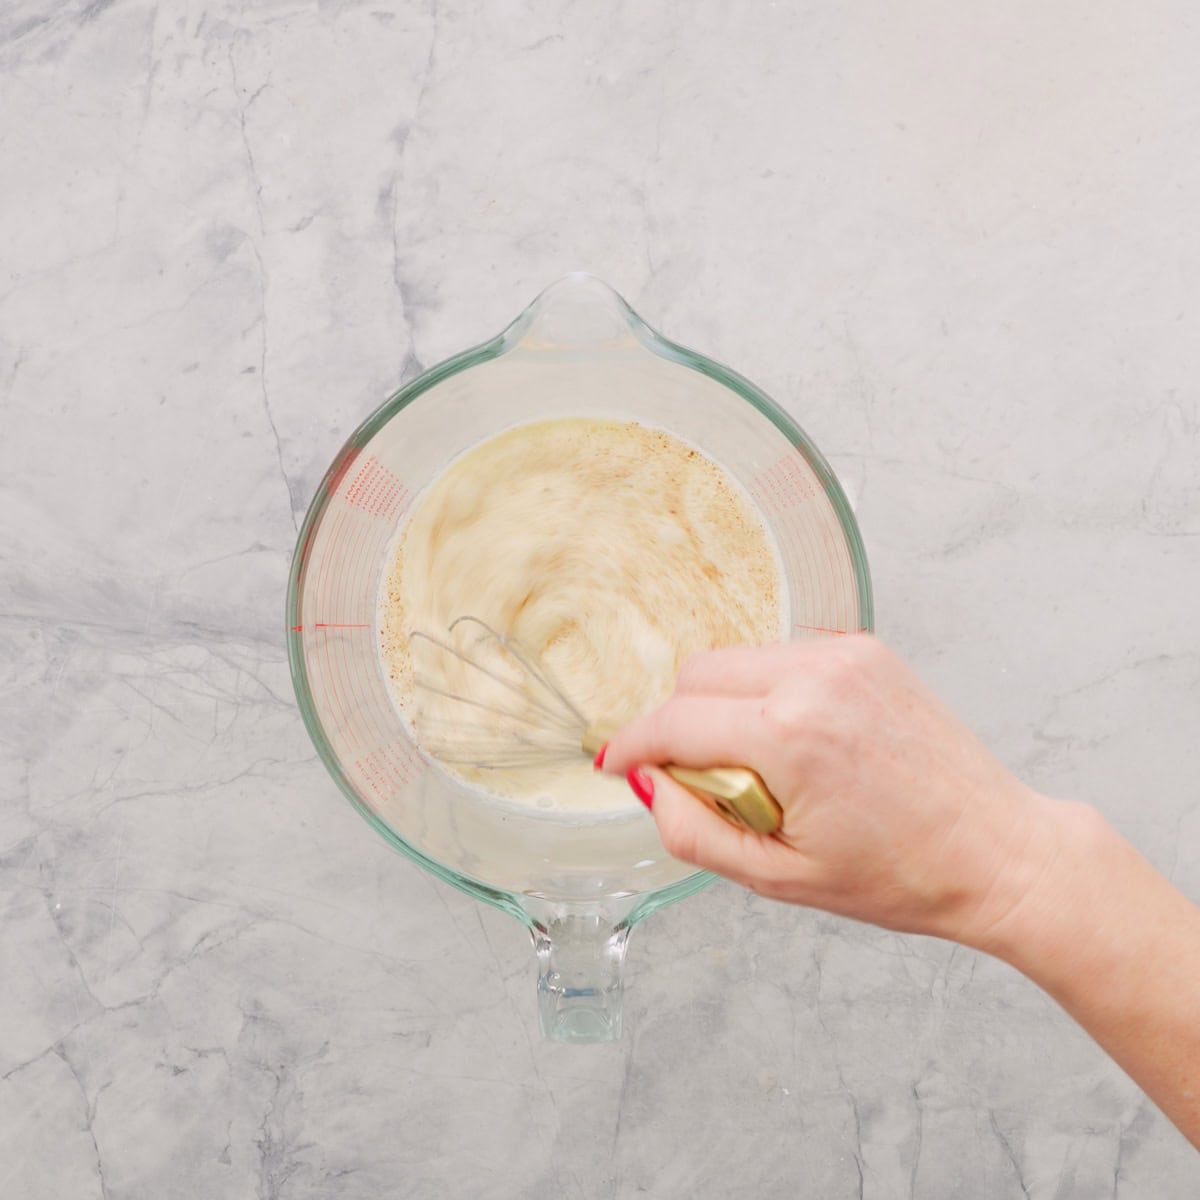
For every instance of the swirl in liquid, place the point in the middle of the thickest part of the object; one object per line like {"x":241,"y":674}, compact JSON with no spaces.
{"x":609,"y":551}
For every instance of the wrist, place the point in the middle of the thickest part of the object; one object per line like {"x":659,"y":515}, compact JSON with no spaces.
{"x":1068,"y":919}
{"x":1035,"y":906}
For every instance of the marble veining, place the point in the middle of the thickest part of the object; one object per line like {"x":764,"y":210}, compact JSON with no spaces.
{"x":958,"y":244}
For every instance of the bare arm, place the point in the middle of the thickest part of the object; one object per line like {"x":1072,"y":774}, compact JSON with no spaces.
{"x":1119,"y":948}
{"x":895,"y":814}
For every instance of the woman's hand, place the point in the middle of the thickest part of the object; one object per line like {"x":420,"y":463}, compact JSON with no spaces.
{"x":893,"y":812}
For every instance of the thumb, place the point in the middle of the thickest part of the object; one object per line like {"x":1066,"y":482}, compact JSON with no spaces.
{"x":689,"y":829}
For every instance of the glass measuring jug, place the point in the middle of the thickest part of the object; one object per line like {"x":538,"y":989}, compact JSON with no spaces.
{"x":579,"y":883}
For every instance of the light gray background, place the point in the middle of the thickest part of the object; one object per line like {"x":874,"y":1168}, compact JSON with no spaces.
{"x":960,"y":242}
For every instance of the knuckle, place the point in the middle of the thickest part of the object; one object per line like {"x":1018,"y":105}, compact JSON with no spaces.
{"x":866,"y":650}
{"x":841,"y":673}
{"x":785,"y":713}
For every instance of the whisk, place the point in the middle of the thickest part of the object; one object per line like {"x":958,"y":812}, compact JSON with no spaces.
{"x":541,"y":726}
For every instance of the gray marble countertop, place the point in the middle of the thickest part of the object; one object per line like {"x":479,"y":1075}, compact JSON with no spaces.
{"x":958,"y":242}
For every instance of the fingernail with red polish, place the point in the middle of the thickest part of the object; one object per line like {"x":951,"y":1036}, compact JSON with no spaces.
{"x":642,"y":784}
{"x":598,"y":762}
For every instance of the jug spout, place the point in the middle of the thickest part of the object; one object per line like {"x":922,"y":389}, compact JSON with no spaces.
{"x":580,"y":961}
{"x":577,"y":312}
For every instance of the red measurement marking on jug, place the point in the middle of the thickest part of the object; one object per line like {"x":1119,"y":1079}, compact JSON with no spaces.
{"x":376,"y":490}
{"x":341,"y":468}
{"x":389,"y":768}
{"x":785,"y":484}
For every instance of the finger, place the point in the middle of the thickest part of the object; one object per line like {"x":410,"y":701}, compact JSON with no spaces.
{"x":691,"y":832}
{"x":742,"y":670}
{"x":691,"y":731}
{"x":732,"y":671}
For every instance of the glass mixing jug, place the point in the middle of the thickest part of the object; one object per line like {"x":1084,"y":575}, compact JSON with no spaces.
{"x":578,"y":884}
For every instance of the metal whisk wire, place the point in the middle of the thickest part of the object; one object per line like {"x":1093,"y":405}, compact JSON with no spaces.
{"x":555,"y":725}
{"x":549,"y":730}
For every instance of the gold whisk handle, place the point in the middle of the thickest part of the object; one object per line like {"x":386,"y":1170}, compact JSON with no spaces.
{"x":736,"y":793}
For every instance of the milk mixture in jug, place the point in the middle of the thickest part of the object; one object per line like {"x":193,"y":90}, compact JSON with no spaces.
{"x":608,"y":552}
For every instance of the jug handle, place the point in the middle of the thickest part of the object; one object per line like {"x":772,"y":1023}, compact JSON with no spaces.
{"x":580,"y":952}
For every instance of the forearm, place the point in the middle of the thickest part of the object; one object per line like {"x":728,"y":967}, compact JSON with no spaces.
{"x":1119,"y":948}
